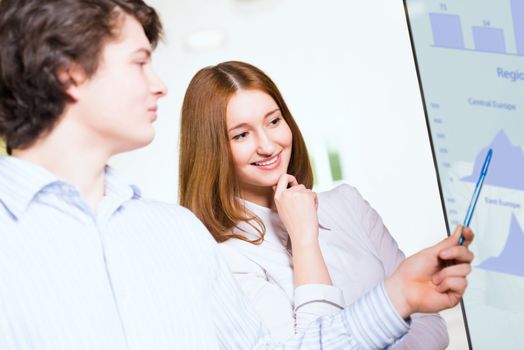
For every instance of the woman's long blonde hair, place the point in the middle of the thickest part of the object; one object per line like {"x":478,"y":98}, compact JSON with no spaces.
{"x":207,"y":183}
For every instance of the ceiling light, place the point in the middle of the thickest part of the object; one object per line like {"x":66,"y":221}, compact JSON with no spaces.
{"x":206,"y":39}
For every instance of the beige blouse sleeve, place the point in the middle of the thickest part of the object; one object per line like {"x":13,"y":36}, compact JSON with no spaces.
{"x":428,"y":331}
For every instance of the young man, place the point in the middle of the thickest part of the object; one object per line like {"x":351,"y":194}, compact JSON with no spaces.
{"x":85,"y":262}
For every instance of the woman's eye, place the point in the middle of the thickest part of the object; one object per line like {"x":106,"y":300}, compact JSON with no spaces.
{"x":275,"y":121}
{"x":240,"y":136}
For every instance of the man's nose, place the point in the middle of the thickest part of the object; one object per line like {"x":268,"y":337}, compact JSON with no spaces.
{"x":158,"y":87}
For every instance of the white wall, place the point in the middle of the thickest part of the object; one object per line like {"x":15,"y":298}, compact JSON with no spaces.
{"x":347,"y":72}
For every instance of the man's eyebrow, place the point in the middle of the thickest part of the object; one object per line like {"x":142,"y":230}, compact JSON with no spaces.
{"x":143,"y":50}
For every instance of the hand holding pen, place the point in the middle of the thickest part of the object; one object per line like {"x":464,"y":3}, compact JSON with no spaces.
{"x":476,"y":193}
{"x":433,"y":279}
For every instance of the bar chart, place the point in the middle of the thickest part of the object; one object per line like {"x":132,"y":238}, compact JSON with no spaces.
{"x":517,"y":9}
{"x":470,"y":61}
{"x":449,"y":32}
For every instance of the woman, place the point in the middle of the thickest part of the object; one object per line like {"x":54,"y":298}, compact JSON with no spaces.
{"x":245,"y":172}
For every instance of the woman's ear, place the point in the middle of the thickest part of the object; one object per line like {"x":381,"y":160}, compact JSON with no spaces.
{"x":72,"y":77}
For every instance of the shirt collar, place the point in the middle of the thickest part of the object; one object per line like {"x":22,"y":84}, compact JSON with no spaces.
{"x":119,"y":188}
{"x":270,"y":217}
{"x":21,"y":181}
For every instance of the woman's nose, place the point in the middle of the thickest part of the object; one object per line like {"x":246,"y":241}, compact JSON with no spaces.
{"x":265,"y":146}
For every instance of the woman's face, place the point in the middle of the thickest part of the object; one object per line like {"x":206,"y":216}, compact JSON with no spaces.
{"x":260,"y":141}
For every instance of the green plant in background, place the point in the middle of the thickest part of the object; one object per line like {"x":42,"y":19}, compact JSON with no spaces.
{"x":2,"y":148}
{"x":334,"y":164}
{"x":315,"y":178}
{"x":327,"y":157}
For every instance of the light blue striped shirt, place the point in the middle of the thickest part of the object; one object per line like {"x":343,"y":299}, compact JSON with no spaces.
{"x":138,"y":274}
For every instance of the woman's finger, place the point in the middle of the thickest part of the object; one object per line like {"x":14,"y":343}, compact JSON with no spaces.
{"x":283,"y":182}
{"x":291,"y":180}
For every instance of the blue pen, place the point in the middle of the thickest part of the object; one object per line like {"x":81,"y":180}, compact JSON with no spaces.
{"x":476,"y":194}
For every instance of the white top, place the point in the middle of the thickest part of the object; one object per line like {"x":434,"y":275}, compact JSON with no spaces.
{"x":359,"y":253}
{"x":136,"y":275}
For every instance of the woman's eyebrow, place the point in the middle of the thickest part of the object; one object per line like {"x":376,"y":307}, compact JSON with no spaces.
{"x":237,"y":126}
{"x":245,"y":124}
{"x":271,"y":112}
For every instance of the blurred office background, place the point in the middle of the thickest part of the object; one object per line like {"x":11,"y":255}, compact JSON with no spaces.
{"x":347,"y":73}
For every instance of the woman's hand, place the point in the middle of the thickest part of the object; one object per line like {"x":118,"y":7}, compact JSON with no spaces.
{"x":434,"y":279}
{"x":297,"y":208}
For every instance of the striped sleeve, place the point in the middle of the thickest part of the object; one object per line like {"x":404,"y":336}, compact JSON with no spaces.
{"x":315,"y":300}
{"x":369,"y":323}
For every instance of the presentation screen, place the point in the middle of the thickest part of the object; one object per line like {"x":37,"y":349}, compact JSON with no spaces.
{"x":470,"y":62}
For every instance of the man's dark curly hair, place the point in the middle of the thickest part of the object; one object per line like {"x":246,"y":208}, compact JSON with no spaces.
{"x":38,"y":38}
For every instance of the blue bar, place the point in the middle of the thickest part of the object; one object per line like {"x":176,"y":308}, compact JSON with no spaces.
{"x":447,"y":30}
{"x":517,"y":10}
{"x":489,"y":39}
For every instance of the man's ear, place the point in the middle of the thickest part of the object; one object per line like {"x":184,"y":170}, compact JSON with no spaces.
{"x":72,"y":77}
